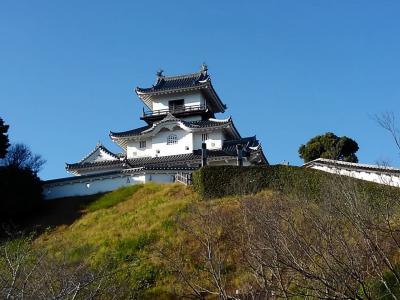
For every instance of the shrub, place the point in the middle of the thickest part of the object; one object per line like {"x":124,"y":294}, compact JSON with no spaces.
{"x":20,"y":192}
{"x":220,"y":181}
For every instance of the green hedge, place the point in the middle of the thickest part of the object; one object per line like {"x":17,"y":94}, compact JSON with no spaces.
{"x":219,"y":181}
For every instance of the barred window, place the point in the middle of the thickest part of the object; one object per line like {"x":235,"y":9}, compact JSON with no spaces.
{"x":142,"y":144}
{"x":204,"y":137}
{"x":172,"y":139}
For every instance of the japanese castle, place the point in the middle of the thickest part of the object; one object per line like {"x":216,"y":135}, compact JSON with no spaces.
{"x":181,"y":134}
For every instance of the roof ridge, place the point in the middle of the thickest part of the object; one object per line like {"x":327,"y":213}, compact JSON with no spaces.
{"x":101,"y":147}
{"x":348,"y":163}
{"x":181,"y":76}
{"x":229,"y":119}
{"x":113,"y":133}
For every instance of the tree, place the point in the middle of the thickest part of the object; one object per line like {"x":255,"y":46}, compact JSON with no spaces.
{"x":387,"y":122}
{"x":340,"y":242}
{"x":329,"y":146}
{"x":20,"y":193}
{"x":20,"y":186}
{"x":208,"y":252}
{"x":21,"y":157}
{"x":4,"y":143}
{"x":29,"y":272}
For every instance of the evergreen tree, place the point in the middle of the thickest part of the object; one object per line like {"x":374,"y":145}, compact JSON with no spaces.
{"x":329,"y":146}
{"x":20,"y":186}
{"x":4,"y":142}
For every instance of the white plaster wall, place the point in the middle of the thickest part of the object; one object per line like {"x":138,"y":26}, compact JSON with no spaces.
{"x":133,"y":147}
{"x":388,"y":179}
{"x":160,"y":178}
{"x":89,"y":186}
{"x":161,"y":102}
{"x":214,"y":141}
{"x":160,"y":143}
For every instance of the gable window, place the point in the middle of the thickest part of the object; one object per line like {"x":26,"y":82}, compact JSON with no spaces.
{"x":142,"y":144}
{"x":172,"y":139}
{"x":204,"y":137}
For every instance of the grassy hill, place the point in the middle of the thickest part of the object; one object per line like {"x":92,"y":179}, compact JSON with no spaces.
{"x":300,"y":233}
{"x":124,"y":227}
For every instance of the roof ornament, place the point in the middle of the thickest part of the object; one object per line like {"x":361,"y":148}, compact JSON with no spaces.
{"x":160,"y":73}
{"x":204,"y":68}
{"x":160,"y":77}
{"x":169,"y":117}
{"x":99,"y":144}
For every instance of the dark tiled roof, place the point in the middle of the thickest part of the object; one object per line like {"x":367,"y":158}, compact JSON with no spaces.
{"x":228,"y":149}
{"x":175,"y":160}
{"x":103,"y":163}
{"x":246,"y":142}
{"x":251,"y":149}
{"x":165,"y":83}
{"x":206,"y":123}
{"x":108,"y":151}
{"x":100,"y":147}
{"x":171,"y":160}
{"x":190,"y":124}
{"x":132,"y":132}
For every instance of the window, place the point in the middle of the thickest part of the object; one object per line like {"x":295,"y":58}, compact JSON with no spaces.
{"x":204,"y":137}
{"x":176,"y":105}
{"x":142,"y":144}
{"x":172,"y":139}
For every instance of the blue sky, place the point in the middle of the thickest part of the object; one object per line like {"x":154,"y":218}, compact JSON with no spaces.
{"x":288,"y":70}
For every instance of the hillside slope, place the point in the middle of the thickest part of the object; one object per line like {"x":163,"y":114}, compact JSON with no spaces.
{"x":320,"y":236}
{"x":123,"y":227}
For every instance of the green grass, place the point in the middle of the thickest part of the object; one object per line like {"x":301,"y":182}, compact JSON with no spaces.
{"x":124,"y":227}
{"x":127,"y":249}
{"x":113,"y":198}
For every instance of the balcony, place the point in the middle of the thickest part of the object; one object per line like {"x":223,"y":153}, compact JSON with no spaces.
{"x":176,"y":109}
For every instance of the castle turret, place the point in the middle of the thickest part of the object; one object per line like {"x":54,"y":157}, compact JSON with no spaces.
{"x":190,"y":96}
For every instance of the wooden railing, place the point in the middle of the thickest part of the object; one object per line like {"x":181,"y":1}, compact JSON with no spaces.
{"x":184,"y":178}
{"x":173,"y":110}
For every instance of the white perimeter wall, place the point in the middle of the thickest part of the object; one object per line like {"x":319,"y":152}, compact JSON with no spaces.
{"x":88,"y":186}
{"x":91,"y":186}
{"x":383,"y":178}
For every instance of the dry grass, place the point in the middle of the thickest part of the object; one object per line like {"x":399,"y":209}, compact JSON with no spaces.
{"x":97,"y":233}
{"x":124,"y":233}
